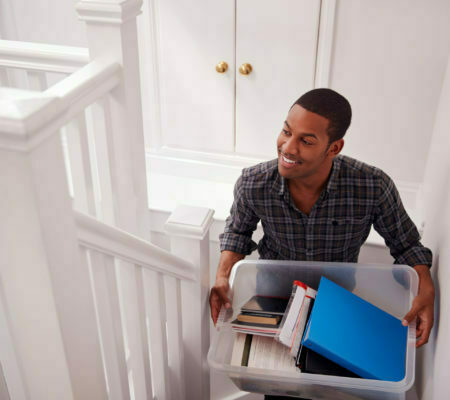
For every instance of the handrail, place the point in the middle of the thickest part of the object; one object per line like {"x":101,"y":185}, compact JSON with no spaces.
{"x":42,"y":57}
{"x":56,"y":106}
{"x":107,"y":239}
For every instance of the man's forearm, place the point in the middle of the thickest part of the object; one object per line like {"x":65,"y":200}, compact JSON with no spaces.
{"x":226,"y":262}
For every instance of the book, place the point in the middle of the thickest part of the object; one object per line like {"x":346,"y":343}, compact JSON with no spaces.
{"x":254,"y":328}
{"x":267,"y":353}
{"x":293,"y":323}
{"x":267,"y":319}
{"x":246,"y":353}
{"x":301,"y":354}
{"x":355,"y":334}
{"x":317,"y":364}
{"x":241,"y":349}
{"x":238,"y":349}
{"x":265,"y":305}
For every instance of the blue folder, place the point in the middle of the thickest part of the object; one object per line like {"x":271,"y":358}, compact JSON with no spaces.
{"x":356,"y":335}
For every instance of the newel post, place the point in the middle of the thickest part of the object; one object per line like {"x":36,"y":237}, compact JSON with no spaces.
{"x":188,"y":228}
{"x":112,"y":36}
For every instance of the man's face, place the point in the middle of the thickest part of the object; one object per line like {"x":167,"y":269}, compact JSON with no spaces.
{"x":303,"y":144}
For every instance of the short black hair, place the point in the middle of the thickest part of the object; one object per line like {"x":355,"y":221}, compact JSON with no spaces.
{"x":331,"y":105}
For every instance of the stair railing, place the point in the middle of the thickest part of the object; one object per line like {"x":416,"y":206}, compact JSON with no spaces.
{"x":90,"y":309}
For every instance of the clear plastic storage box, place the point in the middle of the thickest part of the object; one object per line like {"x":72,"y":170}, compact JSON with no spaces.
{"x":389,"y":287}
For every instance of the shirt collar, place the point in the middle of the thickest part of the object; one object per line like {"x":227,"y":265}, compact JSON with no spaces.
{"x":333,"y":180}
{"x":280,"y":184}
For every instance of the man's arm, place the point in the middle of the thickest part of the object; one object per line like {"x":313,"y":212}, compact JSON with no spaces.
{"x":235,"y":243}
{"x":423,"y":306}
{"x":401,"y":235}
{"x":219,"y":292}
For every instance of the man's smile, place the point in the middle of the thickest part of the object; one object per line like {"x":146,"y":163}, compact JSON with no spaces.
{"x":288,"y":162}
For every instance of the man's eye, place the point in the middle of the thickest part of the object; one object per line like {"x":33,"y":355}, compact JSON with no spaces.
{"x":285,"y":132}
{"x":306,"y":142}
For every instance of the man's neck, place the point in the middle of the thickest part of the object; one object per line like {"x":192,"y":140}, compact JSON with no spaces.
{"x":313,"y":184}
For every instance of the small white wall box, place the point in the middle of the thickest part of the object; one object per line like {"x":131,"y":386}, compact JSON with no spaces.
{"x":389,"y":287}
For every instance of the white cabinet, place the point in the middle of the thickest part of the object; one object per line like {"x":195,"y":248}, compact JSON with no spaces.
{"x":231,"y":113}
{"x":279,"y":39}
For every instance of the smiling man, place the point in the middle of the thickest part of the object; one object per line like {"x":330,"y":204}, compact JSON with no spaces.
{"x":315,"y":204}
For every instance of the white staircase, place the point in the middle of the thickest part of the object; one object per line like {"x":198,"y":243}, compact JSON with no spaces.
{"x":89,"y":308}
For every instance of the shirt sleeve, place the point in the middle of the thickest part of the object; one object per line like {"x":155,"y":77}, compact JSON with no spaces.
{"x":399,"y":232}
{"x":240,"y":224}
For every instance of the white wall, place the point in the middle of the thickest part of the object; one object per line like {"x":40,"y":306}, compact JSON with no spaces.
{"x":434,"y":375}
{"x":42,"y":21}
{"x":389,"y":60}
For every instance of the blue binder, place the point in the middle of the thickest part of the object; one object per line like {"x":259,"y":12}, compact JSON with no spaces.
{"x":356,"y":335}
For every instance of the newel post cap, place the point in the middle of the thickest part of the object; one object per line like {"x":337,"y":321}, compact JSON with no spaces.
{"x":189,"y":221}
{"x":108,"y":11}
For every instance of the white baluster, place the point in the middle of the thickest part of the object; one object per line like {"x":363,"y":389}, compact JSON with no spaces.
{"x":11,"y":377}
{"x":98,"y":121}
{"x":175,"y":350}
{"x":75,"y":133}
{"x":142,"y":314}
{"x":189,"y":238}
{"x":37,"y":80}
{"x":128,"y":290}
{"x":106,"y":293}
{"x":4,"y":80}
{"x":156,"y":320}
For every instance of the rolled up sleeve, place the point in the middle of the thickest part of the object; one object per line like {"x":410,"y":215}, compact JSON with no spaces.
{"x":399,"y":232}
{"x":240,"y":224}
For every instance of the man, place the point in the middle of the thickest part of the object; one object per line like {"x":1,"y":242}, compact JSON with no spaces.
{"x":315,"y":204}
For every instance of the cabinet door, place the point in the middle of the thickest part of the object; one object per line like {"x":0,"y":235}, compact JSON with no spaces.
{"x":197,"y":103}
{"x":279,"y":40}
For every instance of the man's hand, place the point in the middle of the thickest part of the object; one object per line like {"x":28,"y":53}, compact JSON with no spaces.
{"x":423,"y":306}
{"x":219,"y":292}
{"x":218,"y":297}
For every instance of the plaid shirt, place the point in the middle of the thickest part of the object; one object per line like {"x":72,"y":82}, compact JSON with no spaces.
{"x":356,"y":197}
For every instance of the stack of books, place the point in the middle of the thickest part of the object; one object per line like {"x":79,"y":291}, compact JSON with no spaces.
{"x":261,"y":315}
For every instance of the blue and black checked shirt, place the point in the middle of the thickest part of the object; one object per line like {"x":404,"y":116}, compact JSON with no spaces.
{"x":356,"y":197}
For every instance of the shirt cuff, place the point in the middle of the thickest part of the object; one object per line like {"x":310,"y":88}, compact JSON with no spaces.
{"x":416,"y":256}
{"x":237,"y":243}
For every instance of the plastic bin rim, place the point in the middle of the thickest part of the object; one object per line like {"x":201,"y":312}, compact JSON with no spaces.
{"x":327,"y":264}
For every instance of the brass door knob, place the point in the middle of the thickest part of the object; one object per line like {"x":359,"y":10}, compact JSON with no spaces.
{"x":245,"y":69}
{"x":221,"y":67}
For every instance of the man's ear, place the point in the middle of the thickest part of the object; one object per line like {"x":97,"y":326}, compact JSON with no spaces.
{"x":335,"y":147}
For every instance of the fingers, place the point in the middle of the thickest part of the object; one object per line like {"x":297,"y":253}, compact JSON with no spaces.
{"x":410,"y":316}
{"x":216,"y":299}
{"x":424,"y":332}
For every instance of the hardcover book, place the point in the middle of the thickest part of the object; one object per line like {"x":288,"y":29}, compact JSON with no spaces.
{"x":266,"y":305}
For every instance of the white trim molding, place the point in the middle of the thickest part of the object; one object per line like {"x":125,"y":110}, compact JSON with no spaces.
{"x":325,"y":43}
{"x":108,"y":11}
